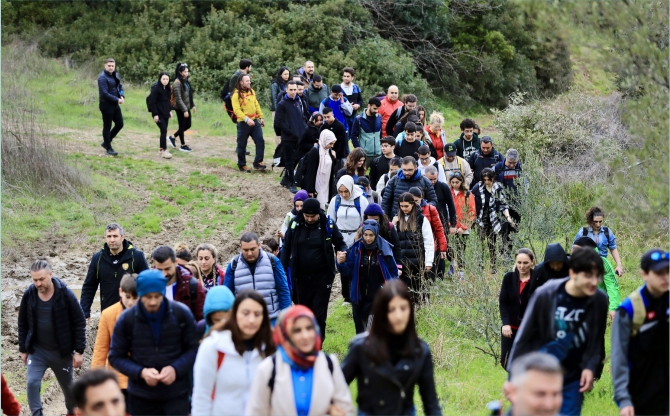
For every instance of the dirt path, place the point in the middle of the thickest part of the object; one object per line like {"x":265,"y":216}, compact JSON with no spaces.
{"x":70,"y":257}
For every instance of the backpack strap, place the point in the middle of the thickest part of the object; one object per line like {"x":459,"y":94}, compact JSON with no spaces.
{"x":338,"y":201}
{"x":585,"y":232}
{"x":330,"y":363}
{"x":357,"y":204}
{"x":607,"y":234}
{"x":639,"y":312}
{"x":193,"y":291}
{"x":219,"y":361}
{"x":273,"y":375}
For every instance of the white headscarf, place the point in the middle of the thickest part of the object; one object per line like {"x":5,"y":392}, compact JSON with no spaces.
{"x":354,"y":190}
{"x":325,"y":166}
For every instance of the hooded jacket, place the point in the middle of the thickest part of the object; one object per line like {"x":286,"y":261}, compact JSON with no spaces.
{"x":465,"y":148}
{"x":347,"y":217}
{"x":512,"y":304}
{"x":479,"y":161}
{"x":366,"y":134}
{"x":399,"y":185}
{"x":289,"y":119}
{"x":314,"y":96}
{"x":159,"y":100}
{"x":430,"y":213}
{"x":385,"y":259}
{"x":106,"y":271}
{"x":310,"y":137}
{"x":543,"y":272}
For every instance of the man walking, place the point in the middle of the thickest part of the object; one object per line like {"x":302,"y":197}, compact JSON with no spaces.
{"x":250,"y":122}
{"x":485,"y":157}
{"x":317,"y":91}
{"x":181,"y":285}
{"x":117,"y":257}
{"x":339,"y":104}
{"x":290,"y":122}
{"x":409,"y":105}
{"x":154,"y":344}
{"x":390,"y":103}
{"x":534,"y":386}
{"x":451,"y":163}
{"x":468,"y":142}
{"x":408,"y":177}
{"x":366,"y":131}
{"x":353,"y":93}
{"x":52,"y":334}
{"x":308,"y":254}
{"x":307,"y":72}
{"x":245,"y":68}
{"x":111,"y":95}
{"x":338,"y":129}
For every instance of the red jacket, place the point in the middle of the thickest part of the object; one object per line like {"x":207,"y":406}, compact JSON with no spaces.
{"x":183,"y":293}
{"x":430,"y":212}
{"x":10,"y":406}
{"x":438,"y":143}
{"x":465,"y":210}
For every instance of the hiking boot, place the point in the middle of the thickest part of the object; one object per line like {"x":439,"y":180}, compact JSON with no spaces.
{"x":165,"y":154}
{"x":285,"y":182}
{"x":111,"y":151}
{"x":248,"y":153}
{"x":104,"y":146}
{"x":293,"y":189}
{"x":244,"y":169}
{"x":260,"y":166}
{"x":185,"y":148}
{"x":172,"y":142}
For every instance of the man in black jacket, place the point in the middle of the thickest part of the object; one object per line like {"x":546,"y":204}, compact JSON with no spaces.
{"x":290,"y":122}
{"x":111,"y":95}
{"x":406,"y":178}
{"x":445,"y":201}
{"x":410,"y":104}
{"x":52,"y":334}
{"x":308,"y":253}
{"x":485,"y":157}
{"x":162,"y":337}
{"x":554,"y":266}
{"x":334,"y":125}
{"x":116,"y":258}
{"x":567,"y":318}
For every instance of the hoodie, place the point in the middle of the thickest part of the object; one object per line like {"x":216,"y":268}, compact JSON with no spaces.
{"x":440,"y":170}
{"x":543,"y":272}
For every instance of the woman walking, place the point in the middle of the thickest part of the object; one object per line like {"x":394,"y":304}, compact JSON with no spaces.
{"x":212,"y":273}
{"x":354,"y":165}
{"x":466,"y":212}
{"x":277,"y":90}
{"x":310,"y":138}
{"x":183,"y":105}
{"x":319,"y":172}
{"x":387,"y":230}
{"x":161,"y":110}
{"x":602,"y":235}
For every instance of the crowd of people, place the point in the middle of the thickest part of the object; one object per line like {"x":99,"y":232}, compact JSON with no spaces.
{"x":191,"y":336}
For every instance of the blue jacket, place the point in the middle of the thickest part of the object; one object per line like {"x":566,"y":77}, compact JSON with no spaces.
{"x":603,"y":242}
{"x":281,"y":283}
{"x":507,"y":176}
{"x":110,"y":88}
{"x":366,"y":133}
{"x":384,"y":257}
{"x":133,"y":349}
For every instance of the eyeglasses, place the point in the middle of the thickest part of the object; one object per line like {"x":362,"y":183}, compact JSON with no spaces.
{"x":658,"y":256}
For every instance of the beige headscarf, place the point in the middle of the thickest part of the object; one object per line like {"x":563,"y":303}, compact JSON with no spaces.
{"x":322,"y":183}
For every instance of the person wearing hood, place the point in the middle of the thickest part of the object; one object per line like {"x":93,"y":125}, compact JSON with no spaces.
{"x":229,"y":356}
{"x":299,"y":379}
{"x":320,"y":163}
{"x":183,"y":105}
{"x":468,"y":142}
{"x":426,"y":160}
{"x":111,"y":96}
{"x":161,"y":110}
{"x":290,"y":123}
{"x":298,"y":199}
{"x":554,"y":266}
{"x":387,"y":230}
{"x":218,"y":302}
{"x":407,"y":177}
{"x":117,"y":257}
{"x":310,"y":137}
{"x":370,"y":263}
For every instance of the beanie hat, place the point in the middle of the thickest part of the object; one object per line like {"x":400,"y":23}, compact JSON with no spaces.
{"x":218,"y":299}
{"x":151,"y":281}
{"x":301,"y":195}
{"x":336,"y":89}
{"x":374,"y":209}
{"x":311,"y":206}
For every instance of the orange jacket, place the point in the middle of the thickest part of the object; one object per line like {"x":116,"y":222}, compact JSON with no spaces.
{"x":465,"y":211}
{"x":430,"y":212}
{"x":387,"y":108}
{"x":104,"y":339}
{"x":10,"y":406}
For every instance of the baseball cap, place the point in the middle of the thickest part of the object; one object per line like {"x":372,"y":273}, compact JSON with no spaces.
{"x":450,"y":149}
{"x":655,"y":259}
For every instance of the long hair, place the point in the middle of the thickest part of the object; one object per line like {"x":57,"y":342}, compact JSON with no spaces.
{"x":178,"y":70}
{"x":352,"y":160}
{"x":408,"y":114}
{"x":410,"y":223}
{"x":262,"y":339}
{"x":161,"y":76}
{"x":458,"y":175}
{"x":593,"y":212}
{"x":376,"y":344}
{"x":278,"y":79}
{"x":419,"y":109}
{"x":196,"y":271}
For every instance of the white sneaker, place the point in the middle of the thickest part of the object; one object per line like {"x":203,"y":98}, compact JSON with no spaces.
{"x":276,"y":161}
{"x":165,"y":154}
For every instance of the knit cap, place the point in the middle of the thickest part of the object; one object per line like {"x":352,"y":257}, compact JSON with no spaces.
{"x":151,"y":281}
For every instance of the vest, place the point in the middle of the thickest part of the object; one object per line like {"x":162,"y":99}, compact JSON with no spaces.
{"x":412,"y":250}
{"x":262,"y":281}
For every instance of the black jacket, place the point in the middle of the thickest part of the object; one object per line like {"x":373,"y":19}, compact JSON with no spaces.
{"x":378,"y":168}
{"x":159,"y":101}
{"x":538,"y":327}
{"x":478,"y":162}
{"x":133,"y":349}
{"x":341,"y":135}
{"x":68,"y":319}
{"x":309,"y":138}
{"x":512,"y":306}
{"x":543,"y":273}
{"x":445,"y":204}
{"x":289,"y":119}
{"x":398,"y":185}
{"x":104,"y":272}
{"x":393,"y":120}
{"x":379,"y":390}
{"x":312,"y":168}
{"x":110,"y":88}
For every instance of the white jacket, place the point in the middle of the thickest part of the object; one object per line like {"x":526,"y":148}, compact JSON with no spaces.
{"x":440,"y":170}
{"x":229,"y":384}
{"x":347,"y":217}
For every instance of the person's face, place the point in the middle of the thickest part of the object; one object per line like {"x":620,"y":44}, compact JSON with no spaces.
{"x":317,"y":84}
{"x":586,"y":283}
{"x":347,"y":78}
{"x":487,"y":181}
{"x":249,"y":317}
{"x":435,"y":127}
{"x":392,"y":94}
{"x":432,"y":177}
{"x":486,"y":148}
{"x":127,"y":299}
{"x":467,"y":133}
{"x":330,"y":145}
{"x":398,"y":314}
{"x":184,"y":73}
{"x":393,"y":169}
{"x":165,"y":80}
{"x":42,"y":280}
{"x":152,"y":301}
{"x":104,"y":399}
{"x":455,"y":183}
{"x":387,"y":149}
{"x":298,"y":205}
{"x":597,"y":222}
{"x":344,"y":192}
{"x":539,"y":394}
{"x":360,"y":162}
{"x":524,"y":264}
{"x":114,"y":239}
{"x":301,"y":89}
{"x":311,"y":218}
{"x":303,"y":335}
{"x":168,"y":267}
{"x":450,"y":159}
{"x":219,"y":316}
{"x":285,"y":75}
{"x":250,"y":251}
{"x":510,"y":164}
{"x":291,"y":90}
{"x":424,"y":159}
{"x":417,"y":200}
{"x":406,"y":207}
{"x":657,"y":282}
{"x":556,"y":265}
{"x":110,"y":67}
{"x":372,"y":110}
{"x":206,"y":261}
{"x":409,"y":106}
{"x":409,"y":136}
{"x":329,"y":118}
{"x":422,"y":115}
{"x":408,"y":169}
{"x":369,"y":237}
{"x":309,"y":68}
{"x":246,"y":82}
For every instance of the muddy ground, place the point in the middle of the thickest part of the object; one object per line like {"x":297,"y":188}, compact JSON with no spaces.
{"x":70,"y":257}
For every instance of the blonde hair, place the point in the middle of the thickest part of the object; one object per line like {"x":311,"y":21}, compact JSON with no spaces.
{"x":437,"y":117}
{"x":194,"y":267}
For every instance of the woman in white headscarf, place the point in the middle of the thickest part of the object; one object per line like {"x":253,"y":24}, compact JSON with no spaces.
{"x":319,"y":173}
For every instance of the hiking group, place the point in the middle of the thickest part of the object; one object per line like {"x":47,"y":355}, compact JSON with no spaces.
{"x":193,"y":335}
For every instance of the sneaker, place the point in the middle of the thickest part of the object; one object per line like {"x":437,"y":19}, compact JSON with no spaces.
{"x":285,"y":182}
{"x":276,"y":162}
{"x":111,"y":151}
{"x":103,"y":145}
{"x":451,"y":270}
{"x":260,"y":166}
{"x":165,"y":154}
{"x":172,"y":142}
{"x":244,"y":169}
{"x":248,"y":153}
{"x":185,"y":148}
{"x":293,"y":189}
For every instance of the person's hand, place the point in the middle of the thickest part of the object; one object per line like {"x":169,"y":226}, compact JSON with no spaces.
{"x":250,"y":122}
{"x":262,"y":121}
{"x":443,"y":255}
{"x":619,"y":270}
{"x":334,"y":410}
{"x":428,"y":268}
{"x":167,"y":375}
{"x":185,"y":114}
{"x":507,"y":331}
{"x":312,"y":194}
{"x":122,"y":100}
{"x":170,"y":114}
{"x":511,"y":222}
{"x":24,"y":357}
{"x":627,"y":411}
{"x":399,"y":272}
{"x":156,"y":119}
{"x":453,"y":230}
{"x":150,"y":375}
{"x":193,"y":110}
{"x":586,"y":382}
{"x":356,"y":106}
{"x":341,"y":98}
{"x":395,"y":220}
{"x":612,"y":314}
{"x":460,"y":231}
{"x":341,"y":256}
{"x":77,"y":360}
{"x":280,"y":234}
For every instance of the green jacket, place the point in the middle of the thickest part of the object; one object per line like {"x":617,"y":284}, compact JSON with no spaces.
{"x":610,"y":285}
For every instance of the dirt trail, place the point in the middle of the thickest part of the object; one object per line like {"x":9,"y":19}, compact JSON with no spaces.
{"x":70,"y":257}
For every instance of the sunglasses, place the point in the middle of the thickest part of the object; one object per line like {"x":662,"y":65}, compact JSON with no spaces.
{"x":658,"y":256}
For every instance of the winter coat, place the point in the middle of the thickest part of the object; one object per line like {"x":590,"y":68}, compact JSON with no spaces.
{"x":386,"y":110}
{"x":394,"y":118}
{"x":327,"y":389}
{"x":512,"y":304}
{"x":340,"y":133}
{"x":183,"y":95}
{"x":438,"y":140}
{"x":433,"y":217}
{"x":341,"y":109}
{"x":310,"y":137}
{"x":465,"y":148}
{"x":497,"y":205}
{"x":311,"y":170}
{"x":383,"y":253}
{"x":183,"y":292}
{"x":110,"y":88}
{"x":133,"y":349}
{"x":276,"y":92}
{"x":314,"y":96}
{"x":543,"y":273}
{"x":10,"y":406}
{"x":105,"y":272}
{"x":478,"y":162}
{"x":67,"y":317}
{"x":466,"y":210}
{"x":379,"y":390}
{"x":366,"y":134}
{"x":445,"y":205}
{"x":222,"y":377}
{"x":103,"y":340}
{"x":289,"y":121}
{"x":417,"y":248}
{"x":399,"y":185}
{"x":508,"y":177}
{"x":159,"y":101}
{"x":347,"y":217}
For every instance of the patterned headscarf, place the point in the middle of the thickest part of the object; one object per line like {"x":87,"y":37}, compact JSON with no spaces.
{"x":282,"y":334}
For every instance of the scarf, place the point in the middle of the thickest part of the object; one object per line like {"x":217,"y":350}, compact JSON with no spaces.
{"x":155,"y":320}
{"x":355,"y":191}
{"x":497,"y":203}
{"x":370,"y":225}
{"x":282,"y":332}
{"x":322,"y":182}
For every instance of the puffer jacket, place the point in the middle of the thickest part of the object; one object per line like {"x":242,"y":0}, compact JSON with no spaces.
{"x":366,"y":134}
{"x":183,"y":95}
{"x":159,"y":101}
{"x":110,"y":88}
{"x":314,"y":96}
{"x":276,"y":92}
{"x":399,"y":185}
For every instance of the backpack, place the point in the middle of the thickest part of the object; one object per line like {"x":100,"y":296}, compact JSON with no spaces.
{"x":458,"y":161}
{"x":193,"y":291}
{"x":228,"y":105}
{"x":299,"y":173}
{"x":338,"y":201}
{"x":273,"y":261}
{"x":273,"y":374}
{"x":639,"y":312}
{"x":585,"y":232}
{"x":225,"y":90}
{"x":148,"y":96}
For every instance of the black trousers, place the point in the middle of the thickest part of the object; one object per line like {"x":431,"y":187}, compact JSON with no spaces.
{"x":488,"y":235}
{"x":506,"y":347}
{"x":184,"y":124}
{"x":111,"y":113}
{"x":361,"y":313}
{"x":163,"y":126}
{"x":313,"y":291}
{"x":288,"y":158}
{"x":167,"y":406}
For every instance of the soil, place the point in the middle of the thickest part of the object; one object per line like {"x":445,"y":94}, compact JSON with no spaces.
{"x":70,"y":258}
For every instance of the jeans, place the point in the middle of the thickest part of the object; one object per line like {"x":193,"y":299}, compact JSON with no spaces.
{"x":184,"y":124}
{"x":166,"y":406}
{"x":572,"y":399}
{"x":313,"y":291}
{"x":243,"y":133}
{"x":163,"y":126}
{"x":111,"y":113}
{"x":38,"y":362}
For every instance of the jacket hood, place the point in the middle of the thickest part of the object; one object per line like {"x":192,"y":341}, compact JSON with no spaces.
{"x":126,"y":245}
{"x":555,"y":252}
{"x":401,"y":175}
{"x":384,"y":246}
{"x":219,"y":298}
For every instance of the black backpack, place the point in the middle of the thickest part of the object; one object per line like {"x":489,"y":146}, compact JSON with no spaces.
{"x":225,"y":90}
{"x":228,"y":105}
{"x":152,"y":87}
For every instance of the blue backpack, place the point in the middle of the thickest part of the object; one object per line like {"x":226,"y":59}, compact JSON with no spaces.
{"x":338,"y":201}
